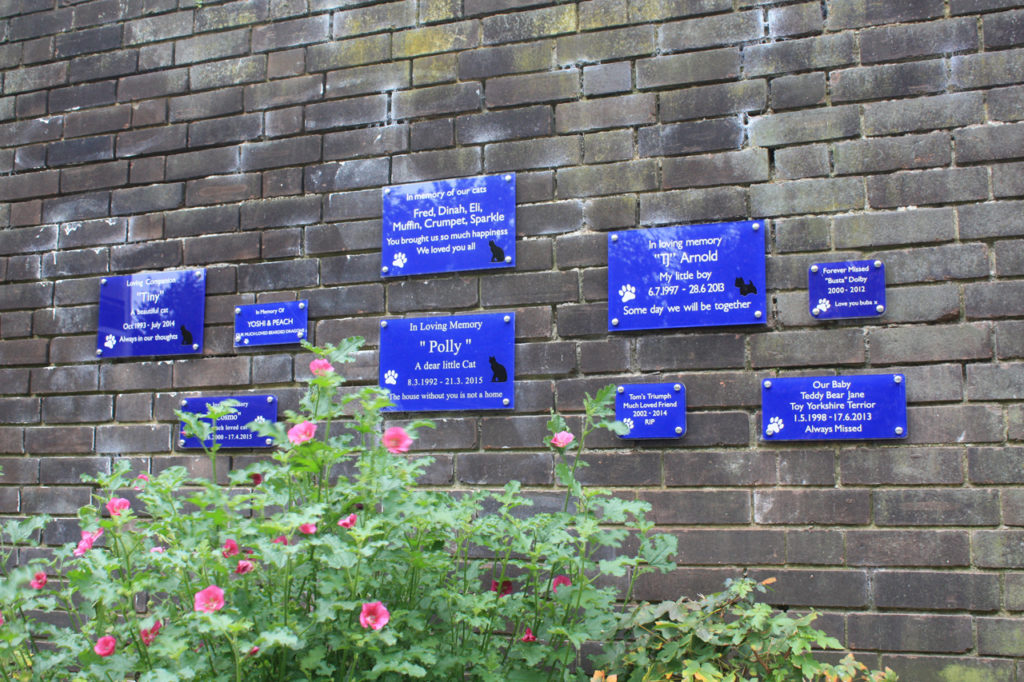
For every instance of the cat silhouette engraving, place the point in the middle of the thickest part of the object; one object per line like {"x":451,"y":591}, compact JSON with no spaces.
{"x":497,"y":254}
{"x":186,"y":336}
{"x":498,"y":371}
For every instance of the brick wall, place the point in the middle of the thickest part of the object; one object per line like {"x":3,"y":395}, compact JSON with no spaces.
{"x":252,"y":137}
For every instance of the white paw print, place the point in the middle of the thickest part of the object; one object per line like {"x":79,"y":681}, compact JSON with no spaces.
{"x":399,"y":260}
{"x":260,"y":419}
{"x":628,"y":422}
{"x":774,"y":426}
{"x":823,"y":305}
{"x":391,"y":377}
{"x":627,"y":292}
{"x":110,"y":341}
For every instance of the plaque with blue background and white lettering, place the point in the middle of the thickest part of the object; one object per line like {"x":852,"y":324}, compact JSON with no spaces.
{"x":449,"y":225}
{"x":687,"y":276}
{"x":463,"y":362}
{"x":268,"y":324}
{"x":151,"y":313}
{"x":651,"y":410}
{"x":871,"y":406}
{"x":854,"y":288}
{"x":232,"y":431}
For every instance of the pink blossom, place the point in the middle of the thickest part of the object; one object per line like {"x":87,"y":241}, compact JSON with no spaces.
{"x":281,"y":540}
{"x":374,"y":615}
{"x":320,"y":367}
{"x":300,"y":433}
{"x":307,"y":528}
{"x":348,"y":521}
{"x":117,"y":505}
{"x":157,"y":550}
{"x":141,"y":478}
{"x":505,"y":587}
{"x":244,"y":566}
{"x":396,"y":440}
{"x":253,"y":651}
{"x":230,"y":548}
{"x":88,"y":538}
{"x":38,"y":581}
{"x":149,"y":635}
{"x":529,"y":636}
{"x":256,"y":478}
{"x":105,"y":645}
{"x":2,"y":620}
{"x":209,"y":600}
{"x":562,"y":439}
{"x":559,"y":581}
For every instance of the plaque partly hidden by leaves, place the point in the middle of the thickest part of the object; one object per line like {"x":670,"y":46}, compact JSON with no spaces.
{"x":231,"y":425}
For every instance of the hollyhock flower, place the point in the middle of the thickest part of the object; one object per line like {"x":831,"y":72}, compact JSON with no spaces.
{"x":300,"y":433}
{"x":230,"y":548}
{"x":117,"y":505}
{"x":209,"y":600}
{"x":374,"y":615}
{"x":105,"y":645}
{"x":348,"y":521}
{"x":529,"y":636}
{"x":505,"y":587}
{"x":559,"y":581}
{"x":396,"y":440}
{"x":38,"y":581}
{"x":256,"y":478}
{"x":307,"y":528}
{"x":142,"y":479}
{"x":1,"y":620}
{"x":253,"y":651}
{"x":149,"y":635}
{"x":88,"y":538}
{"x":320,"y":367}
{"x":244,"y":566}
{"x":562,"y":439}
{"x":281,"y":540}
{"x":157,"y":550}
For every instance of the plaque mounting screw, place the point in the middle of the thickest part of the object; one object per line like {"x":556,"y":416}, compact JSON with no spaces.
{"x":508,"y":259}
{"x":767,"y":384}
{"x":300,"y":334}
{"x":679,"y":430}
{"x":880,"y":308}
{"x":615,"y":237}
{"x":816,"y":312}
{"x":270,"y":398}
{"x":99,"y":351}
{"x":195,"y":346}
{"x":621,"y":389}
{"x":103,"y":281}
{"x":237,"y":310}
{"x":757,"y":314}
{"x":508,"y":318}
{"x":878,"y":263}
{"x":756,"y":226}
{"x":814,"y":268}
{"x":387,"y":190}
{"x":238,"y":337}
{"x":507,"y":178}
{"x":302,"y":306}
{"x":184,"y":403}
{"x":898,"y":379}
{"x":246,"y":342}
{"x":269,"y":441}
{"x":677,"y":387}
{"x":899,"y":430}
{"x":383,"y":323}
{"x":504,"y":401}
{"x":615,"y":322}
{"x":384,"y":268}
{"x":181,"y":443}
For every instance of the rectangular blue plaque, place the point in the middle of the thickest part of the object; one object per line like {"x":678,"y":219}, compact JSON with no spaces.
{"x":687,"y":276}
{"x":449,"y":225}
{"x":853,"y":288}
{"x":152,"y":313}
{"x":231,"y":429}
{"x":465,"y":362}
{"x":652,"y":410}
{"x":834,"y":408}
{"x":268,"y":324}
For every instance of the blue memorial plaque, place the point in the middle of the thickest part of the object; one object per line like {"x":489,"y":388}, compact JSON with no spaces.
{"x":652,"y":410}
{"x":152,"y":313}
{"x":232,"y":431}
{"x":466,"y":362}
{"x":834,"y":408}
{"x":853,"y":288}
{"x":268,"y":324}
{"x":687,"y":276}
{"x":449,"y":225}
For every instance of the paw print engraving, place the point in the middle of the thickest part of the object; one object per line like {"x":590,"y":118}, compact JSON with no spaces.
{"x":391,"y":377}
{"x":110,"y":341}
{"x":823,"y":305}
{"x":775,"y":425}
{"x":260,"y":419}
{"x":628,"y":422}
{"x":627,"y":292}
{"x":399,"y":260}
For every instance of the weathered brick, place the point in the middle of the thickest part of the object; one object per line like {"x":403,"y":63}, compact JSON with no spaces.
{"x":995,"y":381}
{"x":606,"y":79}
{"x":928,"y":187}
{"x":628,"y":176}
{"x":901,"y":632}
{"x":620,"y":43}
{"x":1006,"y":104}
{"x":528,"y":25}
{"x":609,"y":112}
{"x":434,"y":39}
{"x":205,"y":104}
{"x":227,"y":72}
{"x":986,"y":69}
{"x":278,"y":274}
{"x":708,"y":65}
{"x":76,"y":409}
{"x":691,"y":352}
{"x":732,"y":546}
{"x":155,"y":84}
{"x":222,"y":189}
{"x":805,"y":54}
{"x":918,"y":507}
{"x":807,"y":196}
{"x":887,"y":154}
{"x":954,"y":423}
{"x":211,"y":372}
{"x":1010,"y":339}
{"x":531,"y":88}
{"x":989,"y":143}
{"x":543,"y":152}
{"x":691,"y":206}
{"x":806,"y":161}
{"x":48,"y":500}
{"x":902,"y":41}
{"x":1000,"y":636}
{"x":699,"y":507}
{"x":904,"y":466}
{"x":689,"y":138}
{"x":934,"y":344}
{"x":792,"y":92}
{"x":146,"y":199}
{"x":713,"y":100}
{"x":839,"y":507}
{"x":712,"y":31}
{"x":123,"y":439}
{"x":222,"y":248}
{"x":856,"y":13}
{"x":805,"y":126}
{"x":997,"y":548}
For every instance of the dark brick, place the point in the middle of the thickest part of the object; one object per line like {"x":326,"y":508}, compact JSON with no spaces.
{"x":903,"y":466}
{"x":936,"y":507}
{"x":609,"y":112}
{"x":605,"y":79}
{"x":146,"y":199}
{"x":628,"y":176}
{"x":732,"y":546}
{"x":364,"y":80}
{"x":924,"y":113}
{"x":690,"y":138}
{"x":290,"y":152}
{"x":352,"y":268}
{"x":227,"y":72}
{"x":994,"y":382}
{"x":58,"y":439}
{"x":429,"y":165}
{"x":517,"y":289}
{"x":989,"y":143}
{"x":151,"y":140}
{"x":954,"y":423}
{"x":78,"y":123}
{"x":703,"y":507}
{"x":935,"y":344}
{"x":76,"y":409}
{"x":17,"y":410}
{"x":1004,"y":30}
{"x":822,"y":347}
{"x":702,"y":32}
{"x":795,"y":20}
{"x":359,"y":299}
{"x":994,"y":299}
{"x":928,"y":187}
{"x":707,"y":65}
{"x":76,"y":207}
{"x":449,"y":37}
{"x":528,"y":89}
{"x":205,"y":104}
{"x":541,"y":152}
{"x":790,"y":56}
{"x":221,"y":248}
{"x":281,"y":212}
{"x":504,"y":125}
{"x":342,"y":54}
{"x":856,"y":13}
{"x":902,"y":41}
{"x":606,"y":45}
{"x":346,"y":113}
{"x":706,"y":351}
{"x":901,"y":632}
{"x":35,"y":78}
{"x":276,"y":275}
{"x":26,"y":185}
{"x":156,"y":84}
{"x":1006,"y":104}
{"x":792,"y":92}
{"x":907,"y":548}
{"x":484,"y":469}
{"x":807,"y":161}
{"x":930,"y":590}
{"x":720,"y":469}
{"x":986,"y":69}
{"x":528,"y":25}
{"x":805,"y":126}
{"x":503,"y":60}
{"x":839,"y":507}
{"x":814,"y":547}
{"x":1010,"y":339}
{"x":222,"y":189}
{"x":691,"y":206}
{"x":62,"y":500}
{"x":83,"y":96}
{"x":211,"y":372}
{"x":346,"y":175}
{"x":374,"y":18}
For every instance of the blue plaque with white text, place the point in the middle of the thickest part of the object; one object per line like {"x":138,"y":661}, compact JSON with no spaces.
{"x":268,"y":324}
{"x":652,"y":410}
{"x":463,"y":362}
{"x":232,"y":431}
{"x":151,"y":313}
{"x":854,"y":288}
{"x":687,"y":276}
{"x":871,"y":406}
{"x":449,"y":225}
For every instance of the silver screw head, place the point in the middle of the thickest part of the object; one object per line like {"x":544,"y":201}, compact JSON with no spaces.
{"x":384,"y":268}
{"x":237,"y":310}
{"x":898,"y":379}
{"x":270,"y":398}
{"x":268,"y":441}
{"x":103,"y":281}
{"x":383,"y":323}
{"x":878,"y":263}
{"x":677,"y":388}
{"x":757,"y":314}
{"x":615,"y":322}
{"x":615,"y":237}
{"x":899,"y":430}
{"x":302,"y":306}
{"x":195,"y":346}
{"x":621,"y":389}
{"x":767,"y":384}
{"x":99,"y":351}
{"x":814,"y":268}
{"x":246,"y":342}
{"x":756,"y":226}
{"x":507,"y":178}
{"x":679,"y":429}
{"x":181,"y":443}
{"x":880,"y":308}
{"x":504,"y":401}
{"x":507,"y":318}
{"x":184,"y":403}
{"x":508,"y":259}
{"x":816,"y":312}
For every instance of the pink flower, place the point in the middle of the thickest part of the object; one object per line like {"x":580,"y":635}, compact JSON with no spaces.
{"x":38,"y":581}
{"x":307,"y":528}
{"x":244,"y":566}
{"x":562,"y":439}
{"x":320,"y":367}
{"x":506,"y":587}
{"x":281,"y":540}
{"x":374,"y":615}
{"x":348,"y":521}
{"x":230,"y":548}
{"x":529,"y":636}
{"x":105,"y":645}
{"x":559,"y":581}
{"x":209,"y":600}
{"x":253,"y":651}
{"x":300,"y":433}
{"x":157,"y":550}
{"x":256,"y":478}
{"x":117,"y":505}
{"x":141,"y":478}
{"x":88,"y":538}
{"x":2,"y":620}
{"x":149,"y":635}
{"x":396,"y":440}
